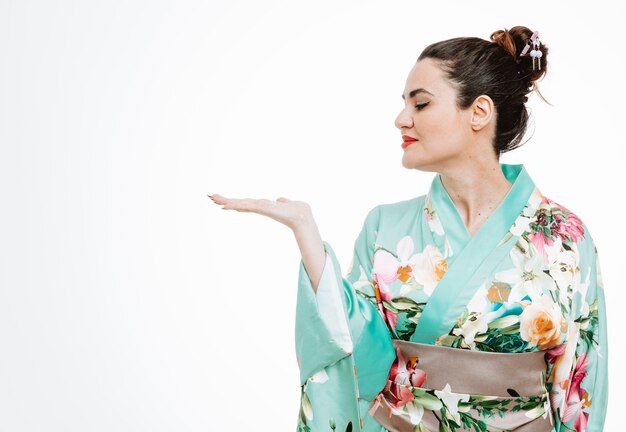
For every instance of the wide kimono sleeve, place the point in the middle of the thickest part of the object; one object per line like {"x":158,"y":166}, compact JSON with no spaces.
{"x":343,"y":347}
{"x":578,"y":381}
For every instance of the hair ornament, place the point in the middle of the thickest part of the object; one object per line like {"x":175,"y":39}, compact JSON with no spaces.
{"x":535,"y":53}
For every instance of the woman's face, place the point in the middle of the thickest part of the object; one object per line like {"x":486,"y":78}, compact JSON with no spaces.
{"x":445,"y":135}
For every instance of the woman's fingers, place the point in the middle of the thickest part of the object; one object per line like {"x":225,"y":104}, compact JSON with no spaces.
{"x":262,"y":206}
{"x":228,"y":203}
{"x":289,"y":212}
{"x":216,"y":198}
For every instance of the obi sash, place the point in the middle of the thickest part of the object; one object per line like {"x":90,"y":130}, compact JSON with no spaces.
{"x":432,"y":384}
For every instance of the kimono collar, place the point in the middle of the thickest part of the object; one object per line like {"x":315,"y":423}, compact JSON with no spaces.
{"x":498,"y":222}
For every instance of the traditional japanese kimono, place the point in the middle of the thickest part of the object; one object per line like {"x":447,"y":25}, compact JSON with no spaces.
{"x":432,"y":329}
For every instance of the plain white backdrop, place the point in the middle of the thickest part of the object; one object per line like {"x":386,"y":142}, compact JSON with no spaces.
{"x":128,"y":300}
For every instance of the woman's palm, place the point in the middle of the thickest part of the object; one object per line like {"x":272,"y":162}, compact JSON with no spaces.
{"x":283,"y":210}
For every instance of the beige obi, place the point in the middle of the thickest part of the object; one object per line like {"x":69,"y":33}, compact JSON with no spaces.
{"x":466,"y":390}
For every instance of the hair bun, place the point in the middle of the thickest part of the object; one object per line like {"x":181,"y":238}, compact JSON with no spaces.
{"x":514,"y":41}
{"x":506,"y":41}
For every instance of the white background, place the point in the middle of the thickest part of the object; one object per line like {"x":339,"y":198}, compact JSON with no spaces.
{"x":128,"y":300}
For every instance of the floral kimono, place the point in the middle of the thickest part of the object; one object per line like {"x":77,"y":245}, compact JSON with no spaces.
{"x":432,"y":329}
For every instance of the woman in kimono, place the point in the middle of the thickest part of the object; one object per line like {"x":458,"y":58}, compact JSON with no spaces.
{"x":477,"y":306}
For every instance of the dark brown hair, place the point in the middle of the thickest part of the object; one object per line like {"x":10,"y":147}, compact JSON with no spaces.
{"x":478,"y":67}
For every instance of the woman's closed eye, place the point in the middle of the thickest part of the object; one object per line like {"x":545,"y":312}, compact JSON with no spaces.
{"x":421,"y":106}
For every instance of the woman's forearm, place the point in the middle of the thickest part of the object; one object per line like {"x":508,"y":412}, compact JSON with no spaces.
{"x":312,"y":250}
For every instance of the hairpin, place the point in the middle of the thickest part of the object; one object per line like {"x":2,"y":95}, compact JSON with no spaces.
{"x":535,"y":53}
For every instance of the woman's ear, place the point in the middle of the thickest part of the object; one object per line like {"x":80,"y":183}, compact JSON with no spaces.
{"x":482,"y":112}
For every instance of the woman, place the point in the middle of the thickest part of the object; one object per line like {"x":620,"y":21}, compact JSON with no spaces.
{"x":476,"y":306}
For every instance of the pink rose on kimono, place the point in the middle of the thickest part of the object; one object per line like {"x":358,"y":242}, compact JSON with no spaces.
{"x":555,"y":221}
{"x":577,"y":397}
{"x":542,"y":322}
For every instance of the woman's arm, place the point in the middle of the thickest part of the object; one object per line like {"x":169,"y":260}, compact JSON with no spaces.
{"x":311,"y":248}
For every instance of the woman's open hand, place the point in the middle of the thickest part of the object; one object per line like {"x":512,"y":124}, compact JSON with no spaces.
{"x":298,"y":216}
{"x":294,"y":214}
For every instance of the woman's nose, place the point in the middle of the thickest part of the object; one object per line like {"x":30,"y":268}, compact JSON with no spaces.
{"x":403,"y":120}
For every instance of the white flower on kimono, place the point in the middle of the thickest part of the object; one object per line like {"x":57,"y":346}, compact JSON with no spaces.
{"x":521,"y":224}
{"x":480,"y":302}
{"x":451,"y":400}
{"x":541,"y":323}
{"x":527,"y":278}
{"x":406,"y":258}
{"x":563,"y":265}
{"x":319,"y":377}
{"x":481,"y":309}
{"x":471,"y":327}
{"x":579,"y":286}
{"x":430,"y":268}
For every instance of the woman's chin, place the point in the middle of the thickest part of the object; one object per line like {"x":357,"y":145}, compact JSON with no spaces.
{"x":409,"y":161}
{"x":417,"y":164}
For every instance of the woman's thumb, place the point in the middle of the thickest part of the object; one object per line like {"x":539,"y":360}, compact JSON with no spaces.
{"x":282,"y":199}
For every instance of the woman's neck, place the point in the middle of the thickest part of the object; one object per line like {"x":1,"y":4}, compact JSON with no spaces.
{"x":476,"y":191}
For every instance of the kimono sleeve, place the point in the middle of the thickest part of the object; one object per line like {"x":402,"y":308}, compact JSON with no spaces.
{"x":579,"y":378}
{"x":343,"y":347}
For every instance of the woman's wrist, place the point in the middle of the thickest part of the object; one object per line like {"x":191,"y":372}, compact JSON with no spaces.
{"x":304,"y":225}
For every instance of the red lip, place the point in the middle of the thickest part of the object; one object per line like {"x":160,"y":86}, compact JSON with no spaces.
{"x":407,"y":140}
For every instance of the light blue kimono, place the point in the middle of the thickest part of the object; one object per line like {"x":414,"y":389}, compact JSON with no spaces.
{"x":528,"y":280}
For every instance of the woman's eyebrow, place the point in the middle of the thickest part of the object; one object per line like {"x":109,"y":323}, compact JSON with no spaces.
{"x":416,"y":91}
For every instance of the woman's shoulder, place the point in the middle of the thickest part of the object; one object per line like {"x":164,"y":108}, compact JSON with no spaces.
{"x":397,"y":206}
{"x":556,"y":218}
{"x":556,"y":222}
{"x":392,"y":212}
